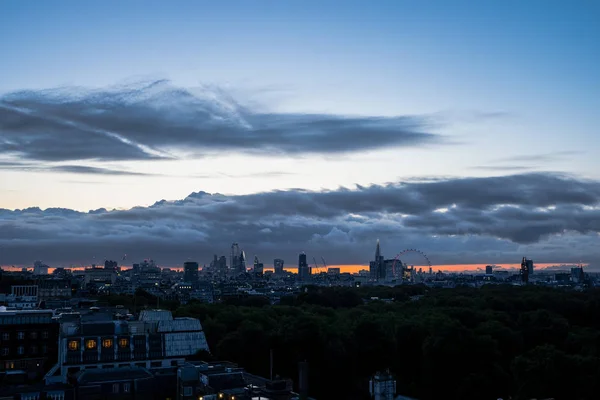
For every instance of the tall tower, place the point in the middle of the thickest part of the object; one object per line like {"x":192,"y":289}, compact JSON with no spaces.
{"x":303,"y":270}
{"x":377,"y":267}
{"x":524,"y":271}
{"x":278,"y":266}
{"x":242,"y":263}
{"x":190,"y":272}
{"x":235,"y":254}
{"x":258,"y":268}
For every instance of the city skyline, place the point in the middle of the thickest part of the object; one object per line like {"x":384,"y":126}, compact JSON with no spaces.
{"x":466,"y":132}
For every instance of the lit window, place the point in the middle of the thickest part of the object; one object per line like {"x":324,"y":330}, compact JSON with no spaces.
{"x":6,"y":336}
{"x":21,"y":335}
{"x":126,"y":387}
{"x":21,"y":350}
{"x":90,"y":344}
{"x":74,"y":345}
{"x":123,"y":342}
{"x":107,"y":343}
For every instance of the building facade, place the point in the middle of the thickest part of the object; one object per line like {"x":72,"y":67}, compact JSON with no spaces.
{"x":28,"y":341}
{"x":155,"y":340}
{"x":190,"y":272}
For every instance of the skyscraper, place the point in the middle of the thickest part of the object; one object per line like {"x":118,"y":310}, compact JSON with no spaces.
{"x":377,"y":268}
{"x":303,"y":268}
{"x":524,"y":271}
{"x":489,"y":269}
{"x":242,"y":263}
{"x":258,"y":267}
{"x":278,"y":266}
{"x":529,"y":264}
{"x":190,"y":272}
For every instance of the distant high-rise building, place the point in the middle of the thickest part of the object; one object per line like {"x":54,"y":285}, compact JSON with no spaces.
{"x":489,"y":269}
{"x":222,"y":267}
{"x":258,"y":267}
{"x":577,"y":274}
{"x":524,"y":271}
{"x":278,"y":266}
{"x":39,"y":268}
{"x":529,"y":264}
{"x":378,"y":267}
{"x":242,"y":263}
{"x":109,"y":264}
{"x":303,"y":268}
{"x":190,"y":272}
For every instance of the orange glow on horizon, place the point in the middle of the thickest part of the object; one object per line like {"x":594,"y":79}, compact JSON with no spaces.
{"x":354,"y":268}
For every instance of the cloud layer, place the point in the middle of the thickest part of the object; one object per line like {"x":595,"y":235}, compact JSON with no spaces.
{"x":157,"y":120}
{"x":500,"y":219}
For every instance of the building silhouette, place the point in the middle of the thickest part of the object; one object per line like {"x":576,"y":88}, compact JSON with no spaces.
{"x":304,"y":271}
{"x":278,"y":266}
{"x":378,"y":268}
{"x":258,"y":267}
{"x":489,"y":269}
{"x":525,"y":271}
{"x":190,"y":272}
{"x":529,"y":264}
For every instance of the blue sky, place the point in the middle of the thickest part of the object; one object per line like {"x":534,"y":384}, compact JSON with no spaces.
{"x":506,"y":87}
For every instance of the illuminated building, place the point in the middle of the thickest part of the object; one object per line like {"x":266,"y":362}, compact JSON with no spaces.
{"x":155,"y":340}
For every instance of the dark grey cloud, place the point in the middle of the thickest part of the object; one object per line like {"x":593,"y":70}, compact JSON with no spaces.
{"x":554,"y":218}
{"x":156,"y":120}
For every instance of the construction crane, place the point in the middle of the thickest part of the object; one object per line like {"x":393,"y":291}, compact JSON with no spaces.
{"x":324,"y":263}
{"x":317,"y":269}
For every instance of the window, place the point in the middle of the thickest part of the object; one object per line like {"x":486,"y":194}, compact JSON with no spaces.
{"x":187,"y":391}
{"x":33,"y":335}
{"x":126,"y":387}
{"x":33,"y":350}
{"x":44,"y":349}
{"x":21,"y":350}
{"x":5,"y":351}
{"x":6,"y":336}
{"x":73,"y":345}
{"x":115,"y":388}
{"x":21,"y":335}
{"x":90,"y":344}
{"x":45,"y":335}
{"x":107,"y":343}
{"x":123,"y":342}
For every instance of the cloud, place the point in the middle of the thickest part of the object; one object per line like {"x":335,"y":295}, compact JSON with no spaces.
{"x":542,"y":158}
{"x":502,"y":168}
{"x":157,"y":120}
{"x":71,"y":169}
{"x":553,"y":218}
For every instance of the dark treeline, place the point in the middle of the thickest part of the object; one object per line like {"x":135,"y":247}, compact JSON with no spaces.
{"x":463,"y":343}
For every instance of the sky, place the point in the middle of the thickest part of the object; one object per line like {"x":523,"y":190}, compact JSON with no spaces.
{"x":168,"y":130}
